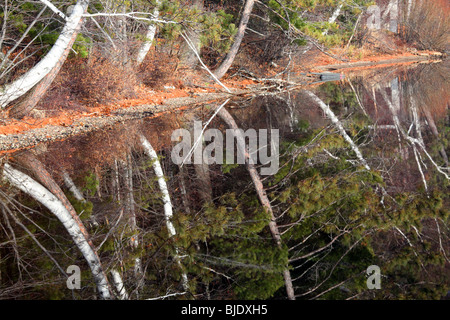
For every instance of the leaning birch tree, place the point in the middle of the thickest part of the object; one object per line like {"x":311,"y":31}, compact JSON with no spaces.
{"x":149,"y":37}
{"x":71,"y":222}
{"x":168,"y":208}
{"x":44,"y":72}
{"x":262,"y":195}
{"x":231,"y":55}
{"x":338,"y":124}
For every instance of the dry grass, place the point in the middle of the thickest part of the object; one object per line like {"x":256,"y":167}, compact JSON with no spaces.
{"x":88,"y":82}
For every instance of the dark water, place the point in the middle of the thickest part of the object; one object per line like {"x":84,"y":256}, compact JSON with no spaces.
{"x":398,"y":119}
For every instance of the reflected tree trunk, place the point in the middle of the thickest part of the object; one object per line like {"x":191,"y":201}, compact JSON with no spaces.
{"x":115,"y":182}
{"x":203,"y":178}
{"x":262,"y":195}
{"x":129,"y":209}
{"x":204,"y":181}
{"x":182,"y":180}
{"x":129,"y":196}
{"x":73,"y":188}
{"x":120,"y":287}
{"x":168,"y":208}
{"x":435,"y":132}
{"x":330,"y":114}
{"x":76,"y":193}
{"x":65,"y":214}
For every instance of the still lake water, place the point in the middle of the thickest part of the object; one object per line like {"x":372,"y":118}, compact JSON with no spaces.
{"x":397,"y":117}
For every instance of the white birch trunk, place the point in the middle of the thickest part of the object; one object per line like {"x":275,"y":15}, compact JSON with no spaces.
{"x":149,"y":37}
{"x":131,"y":212}
{"x":334,"y":16}
{"x":119,"y":285}
{"x":76,"y":193}
{"x":53,"y":8}
{"x":336,"y":13}
{"x":408,"y":10}
{"x":25,"y":83}
{"x":116,"y":181}
{"x":73,"y":188}
{"x":261,"y":192}
{"x":41,"y":194}
{"x":330,"y":114}
{"x":168,"y":209}
{"x":414,"y":142}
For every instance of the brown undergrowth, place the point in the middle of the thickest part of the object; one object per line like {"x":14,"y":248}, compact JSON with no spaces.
{"x":99,"y":86}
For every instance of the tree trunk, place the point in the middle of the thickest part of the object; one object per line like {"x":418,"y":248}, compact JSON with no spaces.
{"x":76,"y":193}
{"x":226,"y":64}
{"x":187,"y":56}
{"x":73,"y":188}
{"x":118,"y":282}
{"x":116,"y":182}
{"x":168,"y":212}
{"x":49,"y":66}
{"x":182,"y":181}
{"x":131,"y":215}
{"x":262,"y":195}
{"x":70,"y":221}
{"x":334,"y":16}
{"x":330,"y":114}
{"x":203,"y":179}
{"x":129,"y":196}
{"x":435,"y":132}
{"x":149,"y":37}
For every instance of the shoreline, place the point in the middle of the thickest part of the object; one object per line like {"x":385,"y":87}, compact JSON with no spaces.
{"x":49,"y":130}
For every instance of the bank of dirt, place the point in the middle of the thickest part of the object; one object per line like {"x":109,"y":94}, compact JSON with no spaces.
{"x":31,"y":131}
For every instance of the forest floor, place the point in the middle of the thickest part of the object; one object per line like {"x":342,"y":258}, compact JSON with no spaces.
{"x":42,"y":128}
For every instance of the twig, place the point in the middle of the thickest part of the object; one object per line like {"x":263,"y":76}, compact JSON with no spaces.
{"x":189,"y":43}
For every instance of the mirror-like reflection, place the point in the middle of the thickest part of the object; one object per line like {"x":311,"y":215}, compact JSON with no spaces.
{"x":362,"y":181}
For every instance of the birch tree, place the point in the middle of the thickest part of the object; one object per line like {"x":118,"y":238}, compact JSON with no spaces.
{"x":416,"y":143}
{"x":334,"y":16}
{"x":168,"y":208}
{"x":149,"y":37}
{"x":71,"y":223}
{"x":330,"y":114}
{"x":73,"y":188}
{"x":46,"y":69}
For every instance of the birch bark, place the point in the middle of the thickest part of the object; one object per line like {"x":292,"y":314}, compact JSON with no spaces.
{"x":330,"y":114}
{"x":149,"y":37}
{"x":168,"y":208}
{"x":334,"y":16}
{"x":52,"y":60}
{"x":75,"y":228}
